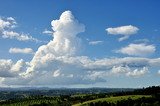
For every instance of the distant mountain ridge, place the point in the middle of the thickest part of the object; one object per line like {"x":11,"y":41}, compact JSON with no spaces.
{"x":63,"y":88}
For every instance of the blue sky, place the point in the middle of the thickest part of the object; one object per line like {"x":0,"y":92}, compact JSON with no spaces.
{"x":62,"y":43}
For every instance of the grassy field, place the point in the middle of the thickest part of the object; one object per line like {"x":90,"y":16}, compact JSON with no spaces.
{"x":113,"y":99}
{"x":30,"y":102}
{"x":57,"y":101}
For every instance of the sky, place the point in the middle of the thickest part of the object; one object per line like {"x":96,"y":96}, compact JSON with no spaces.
{"x":79,"y":43}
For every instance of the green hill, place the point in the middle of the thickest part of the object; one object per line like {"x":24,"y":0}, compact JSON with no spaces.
{"x":113,"y":99}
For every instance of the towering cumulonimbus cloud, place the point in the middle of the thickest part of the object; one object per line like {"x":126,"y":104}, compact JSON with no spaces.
{"x":65,"y":41}
{"x":52,"y":59}
{"x":65,"y":29}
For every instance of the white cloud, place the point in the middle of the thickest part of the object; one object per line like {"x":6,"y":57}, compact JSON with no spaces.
{"x":5,"y":66}
{"x":6,"y":31}
{"x":138,"y":73}
{"x":126,"y":31}
{"x":123,"y":30}
{"x":7,"y":23}
{"x":3,"y":24}
{"x":21,"y":50}
{"x":48,"y":32}
{"x":95,"y":42}
{"x":141,"y":49}
{"x":56,"y":73}
{"x":58,"y":62}
{"x":19,"y":66}
{"x":20,"y":37}
{"x":120,"y":69}
{"x":81,"y":70}
{"x":9,"y":69}
{"x":11,"y":19}
{"x":96,"y":76}
{"x":65,"y":44}
{"x":128,"y":71}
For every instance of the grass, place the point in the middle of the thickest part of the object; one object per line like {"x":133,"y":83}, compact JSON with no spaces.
{"x":113,"y":99}
{"x":29,"y":102}
{"x":55,"y":102}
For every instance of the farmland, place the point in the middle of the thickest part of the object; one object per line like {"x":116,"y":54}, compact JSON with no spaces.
{"x":83,"y":97}
{"x":114,"y":99}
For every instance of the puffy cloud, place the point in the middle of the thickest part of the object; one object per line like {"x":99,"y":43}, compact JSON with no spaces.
{"x":58,"y":63}
{"x":7,"y":23}
{"x":138,"y":73}
{"x":129,"y":71}
{"x":6,"y":27}
{"x":65,"y":70}
{"x":141,"y":49}
{"x":4,"y":24}
{"x":65,"y":29}
{"x":19,"y":66}
{"x":123,"y":30}
{"x":51,"y":57}
{"x":20,"y":37}
{"x":9,"y":69}
{"x":127,"y":31}
{"x":21,"y":50}
{"x":120,"y":69}
{"x":5,"y":66}
{"x":95,"y":42}
{"x":97,"y":76}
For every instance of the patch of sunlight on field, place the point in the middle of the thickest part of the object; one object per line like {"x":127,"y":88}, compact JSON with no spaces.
{"x":113,"y":99}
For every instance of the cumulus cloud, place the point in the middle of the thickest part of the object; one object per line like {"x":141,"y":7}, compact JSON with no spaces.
{"x":126,"y":31}
{"x":66,"y":70}
{"x":58,"y":62}
{"x":129,"y":71}
{"x":138,"y":73}
{"x":6,"y":31}
{"x":97,"y":76}
{"x":7,"y":23}
{"x":21,"y":50}
{"x":18,"y":36}
{"x":10,"y":69}
{"x":19,"y":66}
{"x":95,"y":42}
{"x":120,"y":69}
{"x":65,"y":44}
{"x":141,"y":49}
{"x":5,"y":66}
